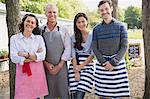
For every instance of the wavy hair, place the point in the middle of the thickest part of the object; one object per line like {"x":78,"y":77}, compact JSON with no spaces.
{"x":36,"y":30}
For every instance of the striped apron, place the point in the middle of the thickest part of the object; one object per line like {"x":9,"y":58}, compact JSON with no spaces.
{"x":112,"y":83}
{"x":86,"y":76}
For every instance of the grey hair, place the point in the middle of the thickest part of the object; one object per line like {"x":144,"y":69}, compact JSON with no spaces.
{"x":51,"y":5}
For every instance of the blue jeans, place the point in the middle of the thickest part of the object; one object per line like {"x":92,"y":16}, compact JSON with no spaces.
{"x":80,"y":95}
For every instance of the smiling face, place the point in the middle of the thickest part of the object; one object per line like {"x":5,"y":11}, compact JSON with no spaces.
{"x":29,"y":24}
{"x":81,"y":23}
{"x":105,"y":11}
{"x":51,"y":13}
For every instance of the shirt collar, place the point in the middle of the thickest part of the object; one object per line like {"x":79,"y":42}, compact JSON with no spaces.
{"x":113,"y":20}
{"x":22,"y":36}
{"x":55,"y":28}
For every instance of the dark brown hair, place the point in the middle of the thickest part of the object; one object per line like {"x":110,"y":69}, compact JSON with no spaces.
{"x":78,"y":35}
{"x":36,"y":30}
{"x":105,"y":1}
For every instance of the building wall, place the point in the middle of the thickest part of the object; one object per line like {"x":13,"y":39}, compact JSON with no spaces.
{"x":3,"y":32}
{"x":41,"y":18}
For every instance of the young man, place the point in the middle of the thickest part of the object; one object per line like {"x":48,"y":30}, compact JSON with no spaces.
{"x":58,"y":51}
{"x":109,"y":44}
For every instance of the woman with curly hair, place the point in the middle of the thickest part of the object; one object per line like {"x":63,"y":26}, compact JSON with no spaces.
{"x":27,"y":50}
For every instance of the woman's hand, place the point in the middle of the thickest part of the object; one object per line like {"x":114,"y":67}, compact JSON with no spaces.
{"x":77,"y":76}
{"x":77,"y":68}
{"x":23,"y":54}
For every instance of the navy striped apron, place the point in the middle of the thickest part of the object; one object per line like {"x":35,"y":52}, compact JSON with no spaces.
{"x":111,"y":83}
{"x":86,"y":76}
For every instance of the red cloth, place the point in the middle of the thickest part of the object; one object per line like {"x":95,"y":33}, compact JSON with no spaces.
{"x":26,"y":69}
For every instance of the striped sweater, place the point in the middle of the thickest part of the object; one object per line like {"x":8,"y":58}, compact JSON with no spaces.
{"x":110,"y":39}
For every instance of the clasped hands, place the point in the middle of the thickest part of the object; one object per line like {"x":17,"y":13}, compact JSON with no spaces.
{"x":77,"y":69}
{"x":108,"y":66}
{"x":53,"y":69}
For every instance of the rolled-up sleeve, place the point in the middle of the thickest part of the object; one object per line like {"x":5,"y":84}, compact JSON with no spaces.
{"x":14,"y":51}
{"x":41,"y":55}
{"x":67,"y":45}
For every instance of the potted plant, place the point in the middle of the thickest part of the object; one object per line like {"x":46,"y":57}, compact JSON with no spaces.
{"x":3,"y":54}
{"x":4,"y":60}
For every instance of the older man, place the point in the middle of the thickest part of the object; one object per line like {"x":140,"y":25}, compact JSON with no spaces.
{"x":58,"y":46}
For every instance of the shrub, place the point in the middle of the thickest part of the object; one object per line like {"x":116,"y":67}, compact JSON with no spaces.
{"x":3,"y":54}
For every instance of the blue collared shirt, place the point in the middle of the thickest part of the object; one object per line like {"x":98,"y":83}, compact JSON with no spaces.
{"x":86,"y":46}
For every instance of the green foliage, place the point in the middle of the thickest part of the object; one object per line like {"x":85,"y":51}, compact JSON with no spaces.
{"x":129,"y":63}
{"x":133,"y":17}
{"x":121,"y":14}
{"x":93,"y":17}
{"x":40,"y":0}
{"x":67,"y":8}
{"x":31,"y":6}
{"x":2,"y":1}
{"x":3,"y":54}
{"x":35,"y":8}
{"x":64,"y":10}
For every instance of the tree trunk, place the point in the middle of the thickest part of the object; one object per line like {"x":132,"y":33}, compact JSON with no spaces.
{"x":12,"y":19}
{"x":146,"y":36}
{"x":115,"y":8}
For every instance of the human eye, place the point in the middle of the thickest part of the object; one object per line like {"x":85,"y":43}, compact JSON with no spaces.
{"x":49,"y":12}
{"x":78,"y":22}
{"x":54,"y":12}
{"x":101,"y":10}
{"x":106,"y":9}
{"x":32,"y":22}
{"x":83,"y":21}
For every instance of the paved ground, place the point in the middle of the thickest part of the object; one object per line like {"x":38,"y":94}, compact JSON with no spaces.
{"x":4,"y":84}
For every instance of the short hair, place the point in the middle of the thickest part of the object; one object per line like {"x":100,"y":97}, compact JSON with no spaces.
{"x":105,"y":1}
{"x":50,"y":4}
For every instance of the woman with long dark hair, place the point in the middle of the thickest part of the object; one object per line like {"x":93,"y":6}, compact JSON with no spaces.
{"x":27,"y":50}
{"x":81,"y":68}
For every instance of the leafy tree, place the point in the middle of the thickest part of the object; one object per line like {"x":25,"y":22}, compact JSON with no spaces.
{"x":2,"y":1}
{"x":64,"y":10}
{"x":67,"y":8}
{"x":32,"y":6}
{"x":121,"y":13}
{"x":133,"y":17}
{"x":93,"y":17}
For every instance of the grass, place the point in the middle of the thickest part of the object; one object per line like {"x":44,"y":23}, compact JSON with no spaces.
{"x":137,"y":34}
